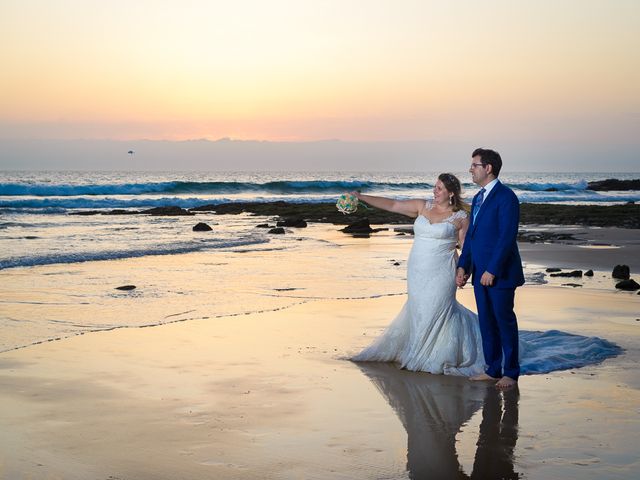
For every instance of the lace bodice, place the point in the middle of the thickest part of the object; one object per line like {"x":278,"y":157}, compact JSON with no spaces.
{"x":455,"y":218}
{"x":446,"y":229}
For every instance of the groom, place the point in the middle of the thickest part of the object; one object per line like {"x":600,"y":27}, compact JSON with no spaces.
{"x":490,"y":253}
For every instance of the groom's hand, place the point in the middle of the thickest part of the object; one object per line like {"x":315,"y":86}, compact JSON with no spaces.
{"x":487,"y":279}
{"x":461,"y":278}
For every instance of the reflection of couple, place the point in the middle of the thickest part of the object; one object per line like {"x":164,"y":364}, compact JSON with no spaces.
{"x":433,"y":332}
{"x":432,"y":412}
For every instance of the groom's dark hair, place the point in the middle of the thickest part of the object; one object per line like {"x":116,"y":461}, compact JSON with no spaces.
{"x":489,"y":157}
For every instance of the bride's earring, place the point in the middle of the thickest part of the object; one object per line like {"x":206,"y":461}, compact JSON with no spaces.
{"x":451,"y":200}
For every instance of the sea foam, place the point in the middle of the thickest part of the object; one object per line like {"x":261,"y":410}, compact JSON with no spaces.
{"x":115,"y":254}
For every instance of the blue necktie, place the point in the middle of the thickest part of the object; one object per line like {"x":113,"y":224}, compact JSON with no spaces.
{"x":478,"y":204}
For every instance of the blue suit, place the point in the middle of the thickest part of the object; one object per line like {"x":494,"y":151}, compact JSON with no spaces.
{"x":490,"y":246}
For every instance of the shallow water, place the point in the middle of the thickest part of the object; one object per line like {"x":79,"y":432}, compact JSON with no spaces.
{"x":51,"y":301}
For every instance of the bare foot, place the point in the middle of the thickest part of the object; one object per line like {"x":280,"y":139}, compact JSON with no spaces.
{"x":505,"y":383}
{"x":482,"y":377}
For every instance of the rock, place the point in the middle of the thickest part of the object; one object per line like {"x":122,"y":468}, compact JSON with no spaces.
{"x":264,"y":225}
{"x":295,"y":222}
{"x":359,"y":227}
{"x":277,"y":231}
{"x":629,"y":285}
{"x":202,"y":227}
{"x":120,"y":211}
{"x":574,"y":273}
{"x":621,"y":272}
{"x":396,"y":263}
{"x":614,"y":184}
{"x":574,"y":285}
{"x":126,"y":287}
{"x":588,"y":273}
{"x":553,"y":269}
{"x":86,"y":212}
{"x":167,"y":211}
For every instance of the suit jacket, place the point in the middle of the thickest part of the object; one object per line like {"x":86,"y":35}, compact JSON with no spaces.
{"x":490,"y":244}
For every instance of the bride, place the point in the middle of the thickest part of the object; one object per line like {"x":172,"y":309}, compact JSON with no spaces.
{"x":433,"y":332}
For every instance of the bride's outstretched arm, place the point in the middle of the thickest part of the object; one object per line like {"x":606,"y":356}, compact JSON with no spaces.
{"x":410,"y":208}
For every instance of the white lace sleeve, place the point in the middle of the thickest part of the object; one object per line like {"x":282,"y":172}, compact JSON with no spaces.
{"x":458,"y":218}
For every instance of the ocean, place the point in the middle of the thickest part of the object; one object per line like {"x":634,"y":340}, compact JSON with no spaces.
{"x":36,"y":228}
{"x":59,"y":272}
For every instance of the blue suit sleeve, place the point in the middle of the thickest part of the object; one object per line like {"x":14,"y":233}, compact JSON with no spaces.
{"x":508,"y":221}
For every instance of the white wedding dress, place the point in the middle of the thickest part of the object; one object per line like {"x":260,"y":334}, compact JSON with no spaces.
{"x":436,"y":334}
{"x":433,"y":332}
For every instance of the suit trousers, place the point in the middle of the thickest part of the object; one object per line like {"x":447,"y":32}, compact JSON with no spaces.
{"x":499,"y":330}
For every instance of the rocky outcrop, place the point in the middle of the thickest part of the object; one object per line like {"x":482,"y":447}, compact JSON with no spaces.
{"x":622,"y":216}
{"x":167,"y":211}
{"x":126,"y":287}
{"x":117,"y":211}
{"x":574,"y":274}
{"x":310,"y":212}
{"x":277,"y":231}
{"x":614,"y":184}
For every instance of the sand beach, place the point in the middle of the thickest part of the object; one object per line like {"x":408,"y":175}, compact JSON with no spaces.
{"x":259,"y":385}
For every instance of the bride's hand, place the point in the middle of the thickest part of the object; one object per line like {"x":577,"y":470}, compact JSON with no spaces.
{"x":461,"y":278}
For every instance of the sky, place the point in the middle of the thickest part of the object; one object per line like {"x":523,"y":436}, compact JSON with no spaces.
{"x":558,"y":76}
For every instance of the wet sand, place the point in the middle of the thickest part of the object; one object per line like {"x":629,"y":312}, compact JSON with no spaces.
{"x":272,"y":395}
{"x":593,"y":248}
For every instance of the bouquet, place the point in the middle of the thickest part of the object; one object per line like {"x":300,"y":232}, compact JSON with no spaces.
{"x":347,"y":203}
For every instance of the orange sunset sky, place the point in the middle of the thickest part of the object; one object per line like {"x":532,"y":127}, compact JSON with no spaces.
{"x":404,"y":70}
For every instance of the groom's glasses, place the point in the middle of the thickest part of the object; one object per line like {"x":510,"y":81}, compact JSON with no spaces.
{"x":474,"y":165}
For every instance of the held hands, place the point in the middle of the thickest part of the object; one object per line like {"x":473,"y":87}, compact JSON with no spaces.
{"x":486,"y":280}
{"x":461,"y":278}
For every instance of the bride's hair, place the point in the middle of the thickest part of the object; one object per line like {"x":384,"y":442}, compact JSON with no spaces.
{"x":453,"y":185}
